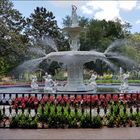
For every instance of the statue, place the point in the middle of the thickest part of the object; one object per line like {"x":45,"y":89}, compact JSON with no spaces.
{"x":74,"y":17}
{"x":92,"y":81}
{"x":34,"y":84}
{"x":124,"y":79}
{"x":49,"y":83}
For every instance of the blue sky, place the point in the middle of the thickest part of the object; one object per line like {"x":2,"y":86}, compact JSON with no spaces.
{"x":128,"y":11}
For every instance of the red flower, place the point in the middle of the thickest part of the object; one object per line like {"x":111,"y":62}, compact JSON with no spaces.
{"x":52,"y":99}
{"x":23,"y":105}
{"x":102,"y":97}
{"x":115,"y":98}
{"x":108,"y":97}
{"x":79,"y":98}
{"x":59,"y":98}
{"x":65,"y":98}
{"x":134,"y":96}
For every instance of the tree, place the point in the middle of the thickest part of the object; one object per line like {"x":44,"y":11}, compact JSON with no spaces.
{"x":12,"y":42}
{"x":41,"y":25}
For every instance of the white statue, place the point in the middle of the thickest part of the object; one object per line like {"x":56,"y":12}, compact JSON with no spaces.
{"x":34,"y":84}
{"x":45,"y":77}
{"x":92,"y":81}
{"x":74,"y":17}
{"x":49,"y":83}
{"x":124,"y":79}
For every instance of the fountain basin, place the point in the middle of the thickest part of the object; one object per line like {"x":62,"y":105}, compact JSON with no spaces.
{"x":67,"y":57}
{"x":27,"y":89}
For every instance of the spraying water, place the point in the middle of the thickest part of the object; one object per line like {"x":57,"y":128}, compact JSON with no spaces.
{"x":38,"y":51}
{"x":117,"y":43}
{"x":30,"y":65}
{"x":49,"y":42}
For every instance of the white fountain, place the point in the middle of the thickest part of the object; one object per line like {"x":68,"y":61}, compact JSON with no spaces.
{"x":74,"y":59}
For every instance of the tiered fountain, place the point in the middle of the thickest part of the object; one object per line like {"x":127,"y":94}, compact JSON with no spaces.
{"x":74,"y":59}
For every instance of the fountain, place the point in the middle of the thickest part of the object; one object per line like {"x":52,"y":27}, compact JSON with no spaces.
{"x":74,"y":61}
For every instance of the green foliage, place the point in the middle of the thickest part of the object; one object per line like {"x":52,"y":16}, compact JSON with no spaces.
{"x":86,"y":121}
{"x":12,"y":43}
{"x":60,"y":117}
{"x":118,"y":117}
{"x":138,"y":119}
{"x":96,"y":122}
{"x":91,"y":122}
{"x":23,"y":121}
{"x":111,"y":120}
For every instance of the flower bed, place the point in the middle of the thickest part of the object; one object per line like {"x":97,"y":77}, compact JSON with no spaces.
{"x":71,"y":111}
{"x":94,"y":100}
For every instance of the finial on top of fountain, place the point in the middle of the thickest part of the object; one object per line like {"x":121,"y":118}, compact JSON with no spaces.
{"x":74,"y":17}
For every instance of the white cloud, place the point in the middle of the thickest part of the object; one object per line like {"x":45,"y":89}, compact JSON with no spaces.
{"x":138,"y":22}
{"x":108,"y":10}
{"x":127,"y":5}
{"x":66,"y":3}
{"x":86,"y":10}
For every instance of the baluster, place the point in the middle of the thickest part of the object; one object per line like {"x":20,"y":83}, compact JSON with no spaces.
{"x":82,"y":105}
{"x":75,"y":110}
{"x":42,"y":112}
{"x":137,"y":109}
{"x":131,"y":112}
{"x":69,"y":109}
{"x":90,"y":107}
{"x":98,"y":110}
{"x":3,"y":110}
{"x":105,"y":111}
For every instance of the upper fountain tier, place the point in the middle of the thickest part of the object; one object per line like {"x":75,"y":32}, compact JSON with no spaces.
{"x":74,"y":30}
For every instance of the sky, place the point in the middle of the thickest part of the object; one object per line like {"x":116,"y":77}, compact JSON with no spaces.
{"x":125,"y":10}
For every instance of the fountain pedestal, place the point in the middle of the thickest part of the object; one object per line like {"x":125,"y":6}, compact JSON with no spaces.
{"x":75,"y":79}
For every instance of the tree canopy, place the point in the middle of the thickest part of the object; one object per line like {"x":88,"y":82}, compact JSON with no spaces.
{"x":18,"y":34}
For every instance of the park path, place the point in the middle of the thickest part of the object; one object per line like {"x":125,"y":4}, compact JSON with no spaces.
{"x":61,"y":134}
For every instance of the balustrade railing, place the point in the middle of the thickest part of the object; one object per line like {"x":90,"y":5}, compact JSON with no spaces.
{"x":44,"y":110}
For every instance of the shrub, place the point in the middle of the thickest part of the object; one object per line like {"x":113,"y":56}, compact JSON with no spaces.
{"x":23,"y":121}
{"x":96,"y":122}
{"x":111,"y":121}
{"x":138,"y":119}
{"x":86,"y":121}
